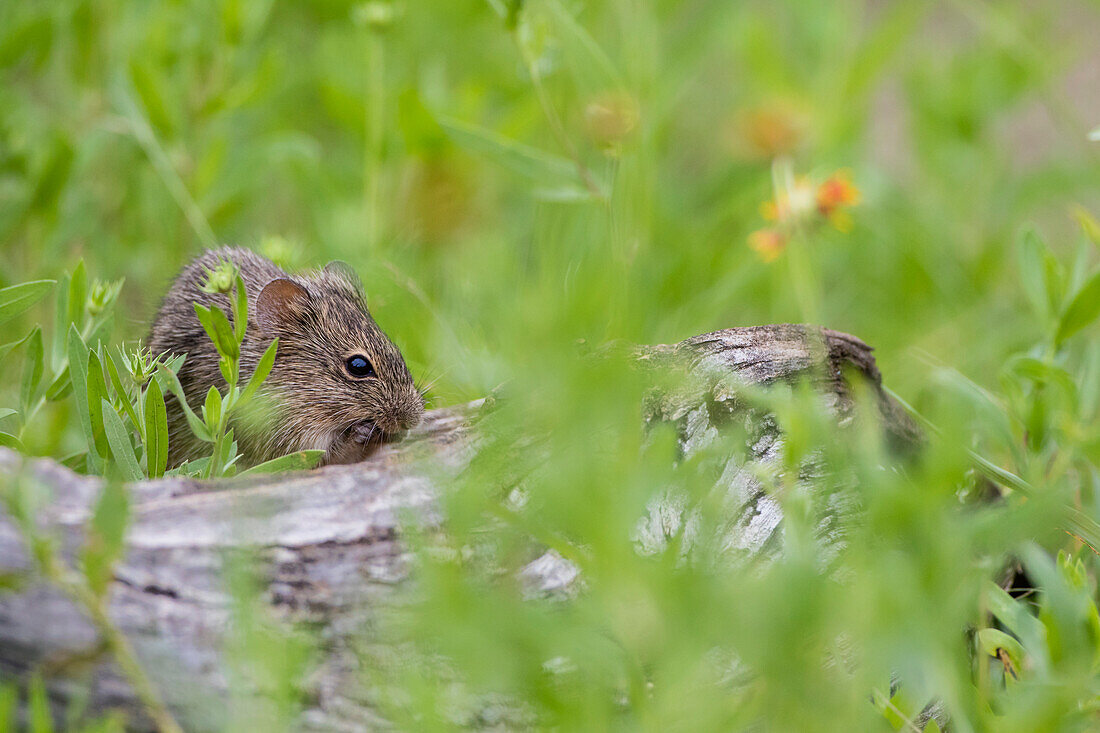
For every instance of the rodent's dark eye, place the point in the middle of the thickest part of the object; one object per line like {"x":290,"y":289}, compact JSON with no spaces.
{"x":359,"y":366}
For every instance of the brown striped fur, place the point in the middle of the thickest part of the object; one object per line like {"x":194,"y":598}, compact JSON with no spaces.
{"x":310,"y":399}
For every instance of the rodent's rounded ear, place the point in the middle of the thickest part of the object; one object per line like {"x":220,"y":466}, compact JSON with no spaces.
{"x":344,"y":271}
{"x":280,"y":300}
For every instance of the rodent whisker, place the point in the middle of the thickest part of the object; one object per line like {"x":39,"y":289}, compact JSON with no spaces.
{"x":423,"y":388}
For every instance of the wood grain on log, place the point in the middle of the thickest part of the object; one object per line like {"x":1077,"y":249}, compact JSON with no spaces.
{"x":329,"y":539}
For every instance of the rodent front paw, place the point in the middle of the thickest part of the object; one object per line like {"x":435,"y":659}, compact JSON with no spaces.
{"x":355,"y":443}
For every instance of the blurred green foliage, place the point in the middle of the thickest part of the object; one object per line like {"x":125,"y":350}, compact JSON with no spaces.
{"x":512,"y":178}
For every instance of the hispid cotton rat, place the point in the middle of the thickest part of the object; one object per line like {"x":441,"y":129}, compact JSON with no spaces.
{"x":338,"y":383}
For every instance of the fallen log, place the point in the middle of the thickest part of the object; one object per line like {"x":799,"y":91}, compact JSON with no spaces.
{"x":329,"y":541}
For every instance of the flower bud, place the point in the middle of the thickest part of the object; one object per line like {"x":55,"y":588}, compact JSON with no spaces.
{"x":610,"y":118}
{"x":220,"y":279}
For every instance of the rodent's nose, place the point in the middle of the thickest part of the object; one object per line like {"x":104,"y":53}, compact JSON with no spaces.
{"x":398,"y":420}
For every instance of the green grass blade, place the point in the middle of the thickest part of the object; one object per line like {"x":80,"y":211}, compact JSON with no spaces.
{"x":298,"y":461}
{"x":545,"y":168}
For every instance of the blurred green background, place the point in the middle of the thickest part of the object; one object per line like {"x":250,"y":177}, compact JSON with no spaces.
{"x":518,"y":182}
{"x":134,"y":134}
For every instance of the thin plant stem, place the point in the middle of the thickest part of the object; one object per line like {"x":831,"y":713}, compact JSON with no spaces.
{"x":556,"y":125}
{"x":802,"y":280}
{"x":118,"y":645}
{"x":909,"y":724}
{"x":143,"y":133}
{"x":374,"y":131}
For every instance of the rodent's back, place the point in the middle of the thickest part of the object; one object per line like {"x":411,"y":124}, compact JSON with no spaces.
{"x":176,"y":330}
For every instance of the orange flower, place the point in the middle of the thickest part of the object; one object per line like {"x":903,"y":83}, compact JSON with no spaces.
{"x":774,"y":128}
{"x":835,"y":192}
{"x":799,"y":204}
{"x":768,"y":243}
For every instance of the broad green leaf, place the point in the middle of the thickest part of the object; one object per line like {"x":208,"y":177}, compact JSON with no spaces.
{"x":232,"y":455}
{"x":173,"y":383}
{"x":119,"y":439}
{"x":7,"y":412}
{"x":592,"y":59}
{"x":105,"y":544}
{"x":78,"y":295}
{"x":1079,"y":270}
{"x":932,"y":726}
{"x":59,"y":355}
{"x":1083,"y":309}
{"x":217,"y":327}
{"x":97,"y":394}
{"x":263,"y":368}
{"x":1032,"y":256}
{"x":8,"y":440}
{"x":225,"y":456}
{"x":991,"y":641}
{"x":298,"y":461}
{"x":5,"y":349}
{"x":212,"y":408}
{"x":897,"y":710}
{"x":195,"y":467}
{"x":1038,"y":370}
{"x":156,"y":430}
{"x":112,"y":363}
{"x":18,"y":298}
{"x":61,"y":386}
{"x":33,"y":366}
{"x":78,"y":370}
{"x":1020,"y":622}
{"x":230,"y":369}
{"x":226,"y":339}
{"x":77,"y":461}
{"x":203,"y":314}
{"x":1090,"y":382}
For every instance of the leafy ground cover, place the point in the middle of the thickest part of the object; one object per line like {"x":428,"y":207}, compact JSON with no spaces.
{"x":517,"y":181}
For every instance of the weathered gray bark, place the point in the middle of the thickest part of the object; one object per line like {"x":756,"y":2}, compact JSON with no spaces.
{"x":329,"y":540}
